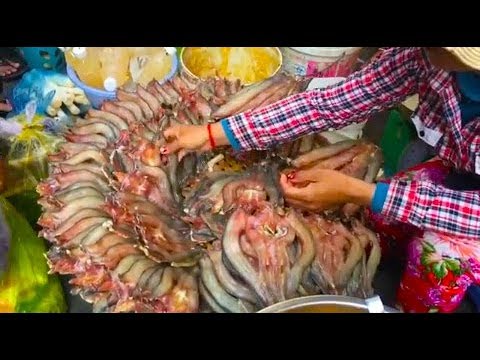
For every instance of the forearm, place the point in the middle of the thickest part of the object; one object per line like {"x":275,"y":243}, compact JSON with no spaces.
{"x":282,"y":121}
{"x":433,"y":207}
{"x":379,"y":86}
{"x":359,"y":192}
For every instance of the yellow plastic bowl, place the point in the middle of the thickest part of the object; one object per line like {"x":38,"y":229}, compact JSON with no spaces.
{"x":189,"y":73}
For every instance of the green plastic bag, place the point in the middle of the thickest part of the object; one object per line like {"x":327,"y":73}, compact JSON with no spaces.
{"x":397,"y":135}
{"x":26,"y":286}
{"x":26,"y":204}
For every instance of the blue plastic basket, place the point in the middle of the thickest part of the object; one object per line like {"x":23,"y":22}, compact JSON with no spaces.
{"x":97,"y":96}
{"x":45,"y":58}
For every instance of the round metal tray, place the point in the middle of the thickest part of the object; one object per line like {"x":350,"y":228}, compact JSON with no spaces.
{"x":325,"y":304}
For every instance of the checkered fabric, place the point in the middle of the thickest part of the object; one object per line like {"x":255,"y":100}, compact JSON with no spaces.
{"x":395,"y":75}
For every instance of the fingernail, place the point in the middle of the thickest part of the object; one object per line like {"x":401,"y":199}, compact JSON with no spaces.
{"x":291,"y":175}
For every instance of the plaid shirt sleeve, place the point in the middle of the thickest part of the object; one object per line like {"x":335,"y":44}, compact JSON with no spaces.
{"x":387,"y":81}
{"x":433,"y":207}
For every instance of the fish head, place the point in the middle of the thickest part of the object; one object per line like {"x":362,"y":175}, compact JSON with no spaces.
{"x":148,"y":153}
{"x":247,"y":193}
{"x":136,"y":182}
{"x":60,"y":262}
{"x":92,"y":277}
{"x":47,"y":187}
{"x":47,"y":221}
{"x":123,"y":139}
{"x":268,"y":226}
{"x":177,"y":301}
{"x":118,"y":212}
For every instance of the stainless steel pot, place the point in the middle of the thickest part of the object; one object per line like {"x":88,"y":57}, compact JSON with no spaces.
{"x":330,"y":304}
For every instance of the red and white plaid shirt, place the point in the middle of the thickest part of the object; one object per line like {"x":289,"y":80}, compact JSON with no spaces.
{"x":394,"y":76}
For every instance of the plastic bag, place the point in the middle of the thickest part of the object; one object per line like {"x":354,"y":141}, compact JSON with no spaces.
{"x":147,"y":64}
{"x":26,"y":285}
{"x":51,"y":91}
{"x":4,"y":244}
{"x":31,"y":87}
{"x":26,"y":204}
{"x":30,"y":143}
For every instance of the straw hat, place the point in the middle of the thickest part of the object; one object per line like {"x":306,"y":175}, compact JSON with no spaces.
{"x":470,"y":56}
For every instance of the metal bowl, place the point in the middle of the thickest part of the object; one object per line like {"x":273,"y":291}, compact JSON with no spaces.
{"x":329,"y":304}
{"x":186,"y":71}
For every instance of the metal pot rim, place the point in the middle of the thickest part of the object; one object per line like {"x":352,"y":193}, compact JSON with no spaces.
{"x":296,"y":303}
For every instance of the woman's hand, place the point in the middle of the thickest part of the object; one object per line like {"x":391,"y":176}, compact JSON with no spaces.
{"x":321,"y":189}
{"x":194,"y":137}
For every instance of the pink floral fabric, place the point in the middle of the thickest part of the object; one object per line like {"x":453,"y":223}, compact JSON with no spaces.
{"x":439,"y":267}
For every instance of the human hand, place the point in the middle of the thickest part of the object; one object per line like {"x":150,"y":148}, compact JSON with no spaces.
{"x":322,"y":189}
{"x":193,"y":137}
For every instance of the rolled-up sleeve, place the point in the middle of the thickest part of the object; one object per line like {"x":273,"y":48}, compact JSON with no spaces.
{"x":387,"y":81}
{"x":433,"y":207}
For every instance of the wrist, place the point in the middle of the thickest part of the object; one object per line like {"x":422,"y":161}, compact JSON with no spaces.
{"x":360,"y":192}
{"x":218,"y":134}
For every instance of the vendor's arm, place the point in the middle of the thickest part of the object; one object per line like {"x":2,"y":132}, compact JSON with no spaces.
{"x":423,"y":204}
{"x":430,"y":206}
{"x":388,"y":81}
{"x":319,"y":189}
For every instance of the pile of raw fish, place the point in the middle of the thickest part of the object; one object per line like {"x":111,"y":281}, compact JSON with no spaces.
{"x":141,"y":231}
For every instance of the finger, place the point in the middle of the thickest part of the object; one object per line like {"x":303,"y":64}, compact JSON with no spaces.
{"x":310,"y":175}
{"x":285,"y":183}
{"x":14,"y":64}
{"x":171,"y":132}
{"x":292,"y":191}
{"x":171,"y":147}
{"x":6,"y":70}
